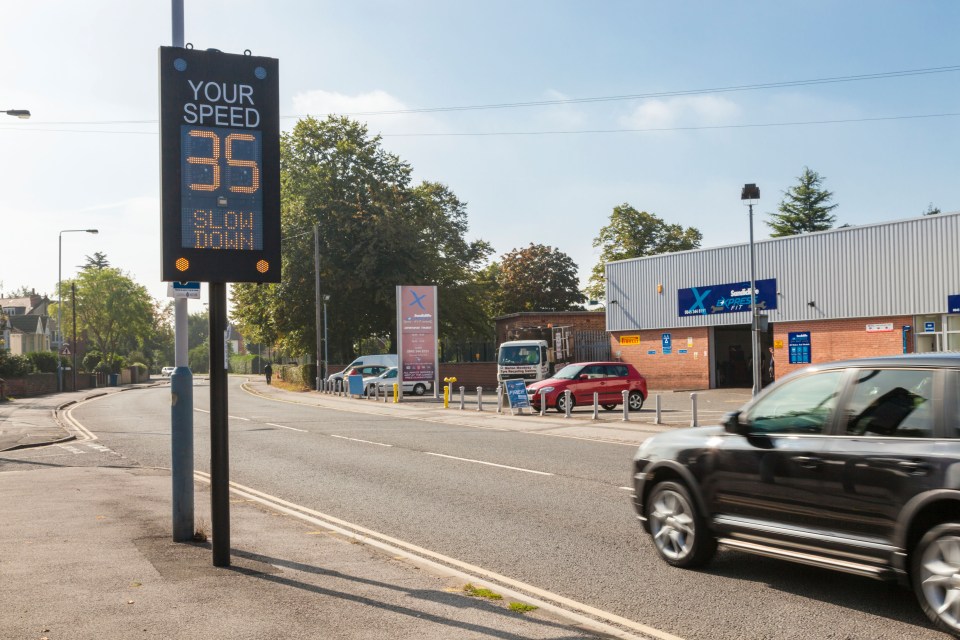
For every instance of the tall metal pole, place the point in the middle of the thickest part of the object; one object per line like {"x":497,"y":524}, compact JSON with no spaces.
{"x":754,"y":327}
{"x":326,"y":344}
{"x":316,"y":282}
{"x":219,"y":434}
{"x":59,"y":311}
{"x":73,"y":296}
{"x":181,"y":390}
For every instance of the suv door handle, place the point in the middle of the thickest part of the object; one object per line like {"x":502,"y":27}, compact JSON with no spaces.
{"x":914,"y":467}
{"x":808,"y":462}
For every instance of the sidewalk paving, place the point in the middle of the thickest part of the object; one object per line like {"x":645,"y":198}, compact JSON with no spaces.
{"x":87,"y":552}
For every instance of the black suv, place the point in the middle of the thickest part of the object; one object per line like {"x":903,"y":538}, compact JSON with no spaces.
{"x":852,"y":466}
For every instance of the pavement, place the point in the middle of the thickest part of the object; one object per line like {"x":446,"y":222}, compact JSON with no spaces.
{"x":87,"y":551}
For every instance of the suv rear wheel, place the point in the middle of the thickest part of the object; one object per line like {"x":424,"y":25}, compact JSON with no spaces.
{"x":935,"y":573}
{"x":680,"y":534}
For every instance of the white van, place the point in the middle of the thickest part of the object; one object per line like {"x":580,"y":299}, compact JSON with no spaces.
{"x":385,"y":359}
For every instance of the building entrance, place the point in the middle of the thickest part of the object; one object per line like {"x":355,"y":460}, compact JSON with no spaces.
{"x":732,"y":354}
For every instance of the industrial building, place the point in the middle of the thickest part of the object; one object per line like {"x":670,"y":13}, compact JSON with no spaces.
{"x":683,"y":319}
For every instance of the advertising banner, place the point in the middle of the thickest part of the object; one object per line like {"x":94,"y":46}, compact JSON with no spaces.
{"x":799,"y":342}
{"x":417,"y":333}
{"x":726,"y":298}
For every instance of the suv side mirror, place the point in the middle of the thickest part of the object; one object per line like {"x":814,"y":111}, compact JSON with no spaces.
{"x":732,"y":424}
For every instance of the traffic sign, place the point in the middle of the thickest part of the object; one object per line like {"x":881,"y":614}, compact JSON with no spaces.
{"x":183,"y":290}
{"x":219,"y":166}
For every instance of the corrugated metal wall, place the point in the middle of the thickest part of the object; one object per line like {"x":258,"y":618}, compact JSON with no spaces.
{"x":906,"y":267}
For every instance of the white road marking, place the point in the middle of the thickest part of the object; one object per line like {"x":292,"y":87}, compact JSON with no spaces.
{"x":491,"y":464}
{"x":200,"y":410}
{"x":379,"y":444}
{"x":272,"y":424}
{"x":239,"y":418}
{"x":590,"y":617}
{"x":71,"y":449}
{"x":627,"y":488}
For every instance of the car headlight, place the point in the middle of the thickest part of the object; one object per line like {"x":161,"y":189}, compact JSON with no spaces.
{"x":544,"y":390}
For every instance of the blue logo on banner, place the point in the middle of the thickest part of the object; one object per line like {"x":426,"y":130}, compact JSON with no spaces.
{"x":953,"y":304}
{"x":666,"y":343}
{"x":726,"y":298}
{"x":799,"y":343}
{"x":517,"y":394}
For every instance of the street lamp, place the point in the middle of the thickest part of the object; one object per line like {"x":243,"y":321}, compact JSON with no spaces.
{"x":326,"y":352}
{"x":750,"y":193}
{"x":23,"y":114}
{"x":60,"y":295}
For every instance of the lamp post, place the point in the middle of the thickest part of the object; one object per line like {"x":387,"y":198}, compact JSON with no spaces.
{"x":316,"y":292}
{"x":60,"y":296}
{"x":750,"y":193}
{"x":23,"y":114}
{"x":326,"y":352}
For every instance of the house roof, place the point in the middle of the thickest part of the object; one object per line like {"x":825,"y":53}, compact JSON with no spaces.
{"x":28,"y":324}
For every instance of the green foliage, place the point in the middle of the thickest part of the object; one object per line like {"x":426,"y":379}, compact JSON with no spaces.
{"x":12,"y":366}
{"x":635,"y":234}
{"x":538,"y":278}
{"x":521,"y":607}
{"x":302,"y":375}
{"x":198,"y":327}
{"x":375,"y":230}
{"x":481,"y":592}
{"x":115,"y":313}
{"x":91,"y":359}
{"x":804,"y":207}
{"x":932,"y":210}
{"x":199,"y":358}
{"x":43,"y":361}
{"x":247,"y":363}
{"x":141,"y":369}
{"x":97,"y":261}
{"x":109,"y":364}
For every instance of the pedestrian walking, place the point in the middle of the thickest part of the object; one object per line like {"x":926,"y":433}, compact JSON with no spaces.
{"x":268,"y":372}
{"x":770,"y":373}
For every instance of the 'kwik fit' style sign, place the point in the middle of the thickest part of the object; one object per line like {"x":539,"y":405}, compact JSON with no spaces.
{"x":726,"y":298}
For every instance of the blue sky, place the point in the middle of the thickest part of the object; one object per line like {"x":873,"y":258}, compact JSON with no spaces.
{"x":89,"y":155}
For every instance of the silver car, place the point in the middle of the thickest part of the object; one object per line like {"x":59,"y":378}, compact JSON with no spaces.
{"x":385,"y":381}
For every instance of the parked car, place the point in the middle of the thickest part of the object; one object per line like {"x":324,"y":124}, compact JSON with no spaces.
{"x":166,"y":372}
{"x":608,"y":379}
{"x":385,"y":360}
{"x":367,"y":371}
{"x":385,"y":381}
{"x":851,"y":466}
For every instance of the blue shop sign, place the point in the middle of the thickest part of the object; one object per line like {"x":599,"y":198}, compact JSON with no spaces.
{"x":666,"y":343}
{"x":953,"y":303}
{"x":799,"y":343}
{"x":726,"y":298}
{"x":517,"y":394}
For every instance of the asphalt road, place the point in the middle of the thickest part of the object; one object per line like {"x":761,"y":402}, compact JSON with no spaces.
{"x":554,"y":513}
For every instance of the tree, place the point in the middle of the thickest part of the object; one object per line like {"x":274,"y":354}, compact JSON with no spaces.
{"x":635,"y":234}
{"x":538,"y":278}
{"x":98,"y":261}
{"x":115,"y":313}
{"x":804,"y":207}
{"x":931,"y":210}
{"x":376,"y":230}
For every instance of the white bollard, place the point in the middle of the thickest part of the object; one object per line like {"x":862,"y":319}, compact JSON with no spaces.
{"x":543,"y":403}
{"x":567,"y":407}
{"x":659,"y":419}
{"x":626,"y":406}
{"x":461,"y":397}
{"x":479,"y":398}
{"x":596,"y":405}
{"x":693,"y":403}
{"x":499,"y":398}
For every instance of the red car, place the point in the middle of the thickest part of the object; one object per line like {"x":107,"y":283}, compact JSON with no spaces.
{"x":583,"y":379}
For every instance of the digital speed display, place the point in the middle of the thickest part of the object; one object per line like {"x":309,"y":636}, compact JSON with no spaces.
{"x":220,"y":166}
{"x":221,"y":193}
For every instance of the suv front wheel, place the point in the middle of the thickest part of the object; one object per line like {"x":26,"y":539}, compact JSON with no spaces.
{"x":935,"y":574}
{"x":680,"y":534}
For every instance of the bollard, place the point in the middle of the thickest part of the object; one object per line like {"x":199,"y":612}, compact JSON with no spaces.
{"x":446,"y":396}
{"x":543,"y":403}
{"x":461,"y":397}
{"x":566,"y":402}
{"x":596,"y":405}
{"x":479,"y":398}
{"x":626,"y":406}
{"x":693,"y":407}
{"x":385,"y":395}
{"x":499,"y":399}
{"x":396,"y":392}
{"x":659,"y":420}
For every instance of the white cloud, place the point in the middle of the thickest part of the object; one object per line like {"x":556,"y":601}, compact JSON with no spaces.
{"x":373,"y":107}
{"x":690,"y":111}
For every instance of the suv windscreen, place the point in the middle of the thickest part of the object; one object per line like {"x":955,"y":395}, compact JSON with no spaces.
{"x":891,"y":402}
{"x":803,"y":405}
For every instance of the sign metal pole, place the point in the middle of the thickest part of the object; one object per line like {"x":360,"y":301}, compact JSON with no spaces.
{"x":219,"y":449}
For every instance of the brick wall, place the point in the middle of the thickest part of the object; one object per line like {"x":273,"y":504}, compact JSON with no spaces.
{"x":35,"y":384}
{"x":470,"y":374}
{"x":841,"y":340}
{"x":690,"y":370}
